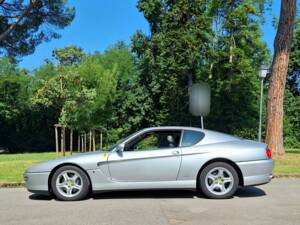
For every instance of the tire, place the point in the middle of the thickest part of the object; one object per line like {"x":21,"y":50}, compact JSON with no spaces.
{"x":218,"y":180}
{"x":70,"y":183}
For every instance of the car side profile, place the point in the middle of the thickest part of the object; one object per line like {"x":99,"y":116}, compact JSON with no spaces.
{"x":158,"y":158}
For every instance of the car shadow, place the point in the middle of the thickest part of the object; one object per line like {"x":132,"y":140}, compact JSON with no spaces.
{"x":41,"y":197}
{"x":247,"y":192}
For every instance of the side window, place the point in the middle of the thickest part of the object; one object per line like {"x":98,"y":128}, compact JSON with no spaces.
{"x":191,"y":138}
{"x":154,"y":140}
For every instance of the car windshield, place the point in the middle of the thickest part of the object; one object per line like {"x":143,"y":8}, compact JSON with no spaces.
{"x":120,"y":141}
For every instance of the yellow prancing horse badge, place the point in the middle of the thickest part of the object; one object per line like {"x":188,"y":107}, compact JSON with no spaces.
{"x":104,"y":155}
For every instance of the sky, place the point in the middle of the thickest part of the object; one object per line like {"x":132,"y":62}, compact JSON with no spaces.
{"x":100,"y":24}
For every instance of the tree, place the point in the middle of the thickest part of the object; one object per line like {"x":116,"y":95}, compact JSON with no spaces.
{"x":282,"y":44}
{"x":236,"y":52}
{"x":127,"y":112}
{"x":25,"y":24}
{"x":79,"y":92}
{"x":172,"y":55}
{"x":292,"y":94}
{"x":291,"y":120}
{"x":69,"y":94}
{"x":68,"y":56}
{"x":293,"y":76}
{"x":218,"y":42}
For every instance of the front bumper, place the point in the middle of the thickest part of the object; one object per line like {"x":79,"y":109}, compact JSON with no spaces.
{"x":37,"y":182}
{"x":256,"y":172}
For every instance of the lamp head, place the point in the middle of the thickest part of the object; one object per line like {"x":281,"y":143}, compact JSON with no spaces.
{"x":263,"y":71}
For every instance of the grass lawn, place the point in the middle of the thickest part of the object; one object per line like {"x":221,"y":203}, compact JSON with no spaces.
{"x":289,"y":165}
{"x":12,"y":166}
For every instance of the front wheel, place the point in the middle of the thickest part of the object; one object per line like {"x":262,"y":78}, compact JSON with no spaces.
{"x":69,"y":183}
{"x":219,"y":180}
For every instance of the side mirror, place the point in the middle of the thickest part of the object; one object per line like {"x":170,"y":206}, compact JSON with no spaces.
{"x":120,"y":147}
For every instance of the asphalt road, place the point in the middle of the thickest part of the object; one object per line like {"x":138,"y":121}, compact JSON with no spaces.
{"x":275,"y":203}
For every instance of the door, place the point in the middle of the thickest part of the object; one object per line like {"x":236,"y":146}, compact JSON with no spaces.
{"x":151,"y":156}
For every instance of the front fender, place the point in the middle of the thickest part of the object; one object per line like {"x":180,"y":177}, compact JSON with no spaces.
{"x":87,"y":161}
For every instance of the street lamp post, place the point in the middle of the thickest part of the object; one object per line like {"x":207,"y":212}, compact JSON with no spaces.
{"x":263,"y":71}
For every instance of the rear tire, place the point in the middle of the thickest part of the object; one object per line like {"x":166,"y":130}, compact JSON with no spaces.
{"x":69,"y":183}
{"x":218,"y":180}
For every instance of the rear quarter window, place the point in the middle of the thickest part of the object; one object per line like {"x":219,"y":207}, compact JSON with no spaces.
{"x":191,"y":137}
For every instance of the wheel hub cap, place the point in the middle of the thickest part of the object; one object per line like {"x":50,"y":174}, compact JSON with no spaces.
{"x":69,"y":183}
{"x":219,"y":181}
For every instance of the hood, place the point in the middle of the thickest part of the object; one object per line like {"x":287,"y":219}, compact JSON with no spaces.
{"x":86,"y":161}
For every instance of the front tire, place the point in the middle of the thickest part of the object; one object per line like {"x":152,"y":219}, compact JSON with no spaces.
{"x":218,"y":180}
{"x":69,"y":183}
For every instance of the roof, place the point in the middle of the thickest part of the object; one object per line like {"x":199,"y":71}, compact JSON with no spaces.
{"x":174,"y":128}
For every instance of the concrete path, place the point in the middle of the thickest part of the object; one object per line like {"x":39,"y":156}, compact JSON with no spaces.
{"x":277,"y":203}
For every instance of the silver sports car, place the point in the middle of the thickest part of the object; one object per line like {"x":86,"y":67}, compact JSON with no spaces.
{"x":158,"y":158}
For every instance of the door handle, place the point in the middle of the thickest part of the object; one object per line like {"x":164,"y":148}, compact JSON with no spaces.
{"x":176,"y":152}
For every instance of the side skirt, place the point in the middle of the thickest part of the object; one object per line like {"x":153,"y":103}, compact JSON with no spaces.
{"x":114,"y":185}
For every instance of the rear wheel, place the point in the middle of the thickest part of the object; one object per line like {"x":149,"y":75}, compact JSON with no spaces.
{"x":69,"y":183}
{"x":218,"y":180}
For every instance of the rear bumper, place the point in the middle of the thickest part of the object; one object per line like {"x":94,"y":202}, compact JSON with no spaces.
{"x":257,"y":172}
{"x":37,"y":182}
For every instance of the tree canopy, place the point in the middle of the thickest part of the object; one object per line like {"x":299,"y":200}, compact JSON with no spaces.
{"x":146,"y":83}
{"x":218,"y":42}
{"x":25,"y":24}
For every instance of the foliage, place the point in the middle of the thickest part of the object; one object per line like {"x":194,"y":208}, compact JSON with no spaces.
{"x":126,"y":88}
{"x":291,"y":119}
{"x":127,"y":112}
{"x":69,"y":94}
{"x":25,"y":24}
{"x":80,"y":90}
{"x":218,"y":42}
{"x":292,"y":94}
{"x":173,"y":53}
{"x":20,"y":126}
{"x":293,"y":78}
{"x":68,"y":56}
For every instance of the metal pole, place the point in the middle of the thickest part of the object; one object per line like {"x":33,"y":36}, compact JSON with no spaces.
{"x":202,"y":124}
{"x":260,"y":108}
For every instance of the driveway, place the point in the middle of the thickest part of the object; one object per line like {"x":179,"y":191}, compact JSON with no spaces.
{"x":275,"y":203}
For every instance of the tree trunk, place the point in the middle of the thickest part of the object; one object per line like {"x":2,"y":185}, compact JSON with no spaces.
{"x":274,"y":130}
{"x":90,"y":140}
{"x":56,"y":141}
{"x":64,"y":140}
{"x":101,"y":141}
{"x":84,"y":142}
{"x":94,"y":142}
{"x":78,"y":143}
{"x":61,"y":140}
{"x":71,"y":141}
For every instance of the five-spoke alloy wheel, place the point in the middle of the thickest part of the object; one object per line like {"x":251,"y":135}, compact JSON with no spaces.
{"x":70,"y":183}
{"x":219,"y":180}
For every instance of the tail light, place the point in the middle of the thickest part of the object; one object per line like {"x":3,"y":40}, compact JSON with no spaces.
{"x":268,"y":153}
